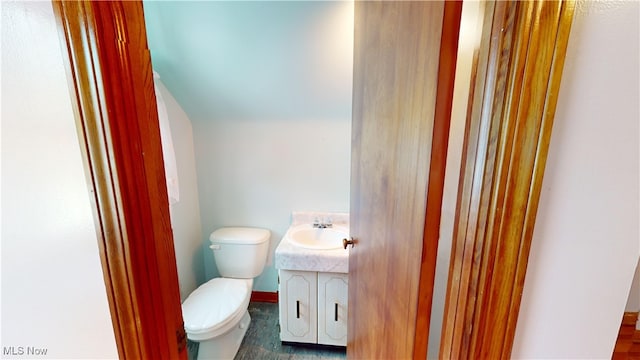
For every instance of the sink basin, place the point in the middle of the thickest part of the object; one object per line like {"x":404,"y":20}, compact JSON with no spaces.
{"x":308,"y":237}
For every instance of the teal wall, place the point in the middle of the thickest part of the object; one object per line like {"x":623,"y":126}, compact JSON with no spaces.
{"x":267,"y":86}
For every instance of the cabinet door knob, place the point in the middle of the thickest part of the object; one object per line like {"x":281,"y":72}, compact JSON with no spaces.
{"x":349,"y":241}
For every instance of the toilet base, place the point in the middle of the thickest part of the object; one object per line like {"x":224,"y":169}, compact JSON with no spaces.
{"x":225,"y":346}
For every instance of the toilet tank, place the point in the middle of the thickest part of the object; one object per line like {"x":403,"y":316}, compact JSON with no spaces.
{"x":240,"y":252}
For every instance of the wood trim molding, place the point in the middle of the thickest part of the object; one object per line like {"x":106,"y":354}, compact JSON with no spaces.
{"x":442,"y":118}
{"x":111,"y":83}
{"x":630,"y":318}
{"x":507,"y":135}
{"x":264,"y":296}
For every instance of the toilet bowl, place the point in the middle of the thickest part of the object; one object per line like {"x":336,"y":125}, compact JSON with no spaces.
{"x":215,"y":314}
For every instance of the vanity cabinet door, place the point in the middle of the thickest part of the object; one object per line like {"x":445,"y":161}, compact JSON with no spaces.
{"x":332,"y":308}
{"x":298,"y":311}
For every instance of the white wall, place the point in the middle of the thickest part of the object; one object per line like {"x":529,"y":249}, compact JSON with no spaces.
{"x":53,"y":292}
{"x":267,"y":86}
{"x":185,"y":214}
{"x":585,"y":246}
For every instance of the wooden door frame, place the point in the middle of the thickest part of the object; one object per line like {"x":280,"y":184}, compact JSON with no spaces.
{"x":440,"y":142}
{"x":119,"y":136}
{"x":512,"y":105}
{"x":111,"y":83}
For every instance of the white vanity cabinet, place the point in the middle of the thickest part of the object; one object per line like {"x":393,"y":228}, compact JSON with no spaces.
{"x":332,"y":308}
{"x":313,"y":307}
{"x":297,"y":294}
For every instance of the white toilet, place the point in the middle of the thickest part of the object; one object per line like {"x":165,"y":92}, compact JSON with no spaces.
{"x":215,"y":314}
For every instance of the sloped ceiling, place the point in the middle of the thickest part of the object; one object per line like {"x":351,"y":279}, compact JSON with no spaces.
{"x":253,"y":60}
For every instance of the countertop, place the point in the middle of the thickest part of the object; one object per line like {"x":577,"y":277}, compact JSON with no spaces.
{"x":291,"y":257}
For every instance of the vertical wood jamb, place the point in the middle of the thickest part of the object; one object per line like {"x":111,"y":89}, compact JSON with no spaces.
{"x":503,"y":166}
{"x":511,"y":71}
{"x":444,"y":100}
{"x":565,"y":18}
{"x":119,"y":135}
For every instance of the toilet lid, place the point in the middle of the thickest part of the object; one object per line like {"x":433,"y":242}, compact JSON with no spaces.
{"x":213,"y":304}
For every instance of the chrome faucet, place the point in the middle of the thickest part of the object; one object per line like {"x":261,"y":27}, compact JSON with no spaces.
{"x":322,"y":225}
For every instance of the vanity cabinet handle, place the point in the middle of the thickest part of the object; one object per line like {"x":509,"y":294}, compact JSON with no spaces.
{"x":298,"y":309}
{"x":335,"y":316}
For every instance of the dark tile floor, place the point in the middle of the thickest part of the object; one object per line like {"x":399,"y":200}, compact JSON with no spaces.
{"x":262,"y":340}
